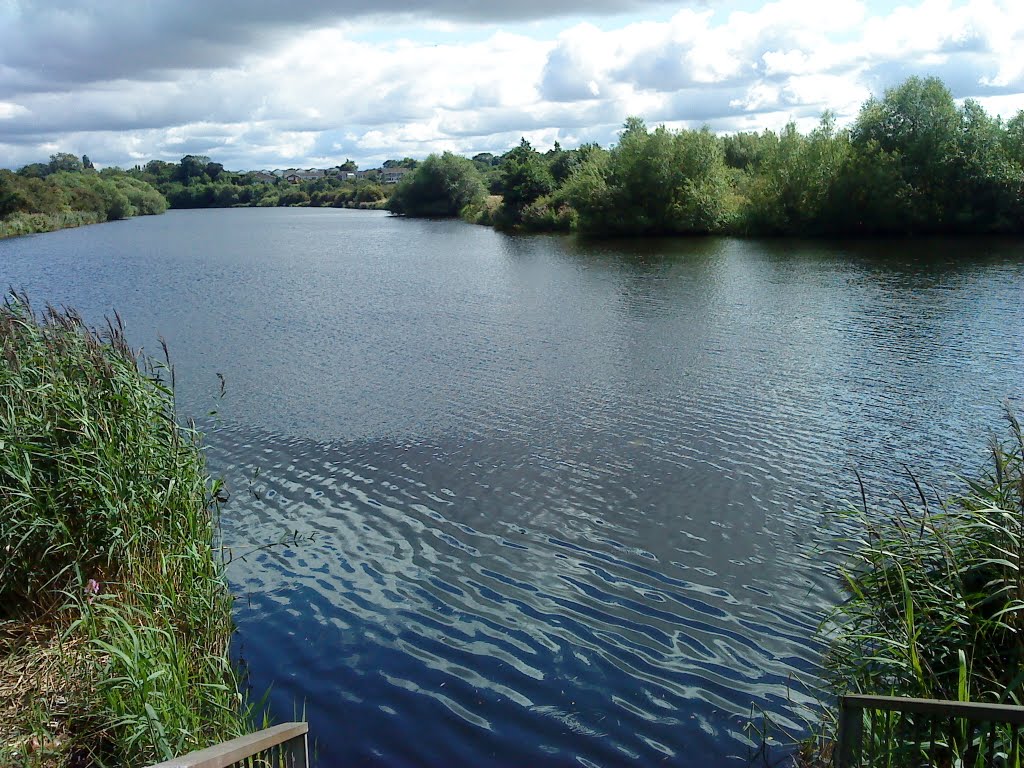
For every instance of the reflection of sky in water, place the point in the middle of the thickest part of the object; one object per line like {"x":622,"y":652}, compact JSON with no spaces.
{"x":567,"y":497}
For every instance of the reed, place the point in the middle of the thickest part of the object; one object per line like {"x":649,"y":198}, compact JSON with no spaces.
{"x":935,"y":600}
{"x":112,"y":591}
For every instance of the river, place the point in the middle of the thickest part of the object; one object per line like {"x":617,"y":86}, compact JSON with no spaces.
{"x":568,"y":501}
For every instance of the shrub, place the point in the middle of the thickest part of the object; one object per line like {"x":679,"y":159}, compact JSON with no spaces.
{"x":442,"y":185}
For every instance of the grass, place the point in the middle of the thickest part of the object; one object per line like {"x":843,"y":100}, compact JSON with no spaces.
{"x":935,"y":603}
{"x":115,"y":618}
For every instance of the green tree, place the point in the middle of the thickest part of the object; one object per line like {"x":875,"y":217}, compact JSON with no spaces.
{"x":917,"y":123}
{"x":192,"y":168}
{"x":441,"y":186}
{"x":985,"y":179}
{"x":1013,"y":139}
{"x":65,"y":161}
{"x":788,"y":189}
{"x":11,"y":200}
{"x":654,"y":183}
{"x":524,"y":178}
{"x":405,"y":162}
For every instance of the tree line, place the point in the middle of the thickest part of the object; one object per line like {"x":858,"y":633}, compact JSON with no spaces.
{"x":198,"y":182}
{"x":912,"y":163}
{"x":68,"y":191}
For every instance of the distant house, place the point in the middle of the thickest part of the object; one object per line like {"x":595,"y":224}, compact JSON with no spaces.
{"x":294,"y":177}
{"x":264,"y":176}
{"x":347,"y":175}
{"x":393,"y":175}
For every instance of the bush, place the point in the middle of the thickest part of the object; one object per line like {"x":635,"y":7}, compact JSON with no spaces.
{"x":548,"y":214}
{"x":292,"y":197}
{"x":442,"y":185}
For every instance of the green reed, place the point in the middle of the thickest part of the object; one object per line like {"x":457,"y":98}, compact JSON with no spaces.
{"x":935,"y":604}
{"x":107,"y":531}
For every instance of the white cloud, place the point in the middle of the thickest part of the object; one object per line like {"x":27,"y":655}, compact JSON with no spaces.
{"x":319,"y":93}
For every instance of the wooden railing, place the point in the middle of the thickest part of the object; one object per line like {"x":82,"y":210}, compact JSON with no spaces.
{"x":283,"y":746}
{"x":893,"y":731}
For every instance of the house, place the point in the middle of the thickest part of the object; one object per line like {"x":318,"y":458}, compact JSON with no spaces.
{"x":393,"y":175}
{"x":294,"y":177}
{"x":264,"y":176}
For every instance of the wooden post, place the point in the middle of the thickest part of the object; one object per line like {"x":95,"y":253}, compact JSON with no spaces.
{"x":851,"y":733}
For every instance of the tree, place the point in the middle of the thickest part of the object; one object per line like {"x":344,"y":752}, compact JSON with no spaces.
{"x":405,"y":162}
{"x":524,"y":179}
{"x":65,"y":161}
{"x":984,"y":175}
{"x":918,"y":124}
{"x":10,"y":199}
{"x":192,"y":168}
{"x":87,"y":163}
{"x":35,"y":170}
{"x":213,"y":170}
{"x":441,"y":186}
{"x":654,"y":183}
{"x":789,"y":187}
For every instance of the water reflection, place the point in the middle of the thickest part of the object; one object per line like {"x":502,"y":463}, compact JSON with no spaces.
{"x":567,"y":496}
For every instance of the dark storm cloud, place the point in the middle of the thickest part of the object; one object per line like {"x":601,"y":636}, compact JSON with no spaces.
{"x":63,"y":44}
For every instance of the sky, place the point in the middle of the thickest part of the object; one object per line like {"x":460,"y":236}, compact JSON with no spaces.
{"x":310,"y":83}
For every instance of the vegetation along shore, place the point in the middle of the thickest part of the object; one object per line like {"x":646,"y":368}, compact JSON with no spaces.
{"x":934,"y":609}
{"x":115,"y":618}
{"x":914,"y":162}
{"x":69,"y":192}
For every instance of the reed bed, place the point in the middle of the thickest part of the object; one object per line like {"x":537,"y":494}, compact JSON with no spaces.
{"x":115,"y":618}
{"x":935,"y":609}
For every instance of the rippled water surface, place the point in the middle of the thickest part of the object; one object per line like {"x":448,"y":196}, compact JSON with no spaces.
{"x":567,"y":499}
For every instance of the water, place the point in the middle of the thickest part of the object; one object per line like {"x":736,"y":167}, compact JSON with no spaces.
{"x":567,"y":499}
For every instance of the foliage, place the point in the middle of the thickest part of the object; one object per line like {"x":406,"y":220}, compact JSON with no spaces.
{"x":524,"y":178}
{"x":108,"y":529}
{"x":69,"y":194}
{"x":912,"y":163}
{"x":654,"y":183}
{"x":441,"y":186}
{"x":789,"y":178}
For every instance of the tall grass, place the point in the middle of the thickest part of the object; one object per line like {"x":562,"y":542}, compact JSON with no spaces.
{"x":107,"y":529}
{"x":935,"y":595}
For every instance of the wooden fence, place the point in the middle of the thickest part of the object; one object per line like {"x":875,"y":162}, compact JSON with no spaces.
{"x":283,"y":746}
{"x":894,"y":731}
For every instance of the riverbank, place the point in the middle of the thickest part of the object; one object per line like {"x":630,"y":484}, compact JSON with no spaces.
{"x":116,"y":619}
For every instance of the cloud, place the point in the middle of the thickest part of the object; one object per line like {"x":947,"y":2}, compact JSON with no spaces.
{"x":265,"y":83}
{"x":63,"y":44}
